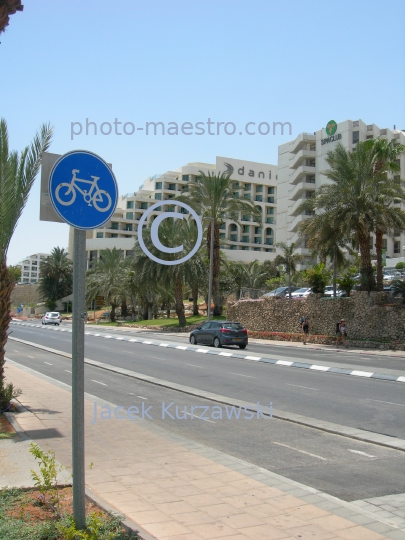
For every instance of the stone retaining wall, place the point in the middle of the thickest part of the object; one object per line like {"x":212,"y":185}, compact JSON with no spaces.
{"x":368,"y":316}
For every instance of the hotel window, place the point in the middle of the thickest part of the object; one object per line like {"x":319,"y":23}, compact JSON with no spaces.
{"x":269,"y":220}
{"x":144,"y":206}
{"x":270,"y":210}
{"x":245,"y":228}
{"x":114,"y":225}
{"x":256,"y":249}
{"x":245,"y":249}
{"x":158,"y":196}
{"x":129,"y":215}
{"x":269,"y":241}
{"x":128,"y":227}
{"x":245,"y":218}
{"x":158,"y":185}
{"x":236,"y":194}
{"x":232,"y":247}
{"x":114,"y":236}
{"x":259,"y":189}
{"x":233,"y":227}
{"x":245,"y":239}
{"x":183,"y":211}
{"x":233,"y":237}
{"x":259,"y":198}
{"x":356,"y":137}
{"x":270,"y":200}
{"x":185,"y":177}
{"x":270,"y":191}
{"x":397,"y":247}
{"x":130,"y":204}
{"x":247,"y":196}
{"x":222,"y":235}
{"x":172,"y":187}
{"x":235,"y":185}
{"x":258,"y":240}
{"x":99,"y":235}
{"x":221,"y":226}
{"x":248,"y":187}
{"x":258,"y":230}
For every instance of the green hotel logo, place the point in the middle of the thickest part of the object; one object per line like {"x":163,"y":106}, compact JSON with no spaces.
{"x":331,"y":127}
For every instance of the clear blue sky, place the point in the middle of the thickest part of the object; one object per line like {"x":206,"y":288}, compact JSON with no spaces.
{"x":187,"y":61}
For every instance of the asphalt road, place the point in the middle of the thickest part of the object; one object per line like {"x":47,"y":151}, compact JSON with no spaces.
{"x":343,"y":467}
{"x":368,"y":404}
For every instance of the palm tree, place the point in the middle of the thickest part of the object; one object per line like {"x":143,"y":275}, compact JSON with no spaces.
{"x":56,"y":277}
{"x":211,"y":196}
{"x":17,"y":175}
{"x":107,"y":278}
{"x":172,"y":233}
{"x":388,"y":190}
{"x":289,"y":260}
{"x":348,"y":202}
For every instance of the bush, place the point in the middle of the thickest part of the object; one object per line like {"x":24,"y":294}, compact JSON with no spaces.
{"x":346,"y":283}
{"x":400,"y":266}
{"x":318,"y":277}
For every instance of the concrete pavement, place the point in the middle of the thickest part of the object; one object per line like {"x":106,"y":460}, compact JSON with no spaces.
{"x":177,"y":489}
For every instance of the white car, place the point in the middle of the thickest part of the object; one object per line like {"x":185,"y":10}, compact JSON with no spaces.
{"x":329,"y":291}
{"x":52,"y":317}
{"x":301,"y":293}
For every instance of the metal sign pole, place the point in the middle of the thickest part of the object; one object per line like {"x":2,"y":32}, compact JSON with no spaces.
{"x":211,"y":270}
{"x":79,"y":274}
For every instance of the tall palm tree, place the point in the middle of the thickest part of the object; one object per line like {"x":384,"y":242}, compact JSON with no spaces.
{"x":289,"y":260}
{"x":348,"y":202}
{"x":172,"y":233}
{"x":388,"y":190}
{"x":18,"y":171}
{"x":56,"y":277}
{"x":107,"y":278}
{"x":211,"y":196}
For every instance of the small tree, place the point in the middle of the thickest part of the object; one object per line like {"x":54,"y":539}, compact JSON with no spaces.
{"x":398,"y":288}
{"x":318,"y":277}
{"x":346,"y":282}
{"x":289,"y":260}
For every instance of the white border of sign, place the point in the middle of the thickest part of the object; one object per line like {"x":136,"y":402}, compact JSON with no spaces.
{"x":154,"y":232}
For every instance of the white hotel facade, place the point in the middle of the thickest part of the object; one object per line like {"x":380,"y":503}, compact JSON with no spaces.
{"x":276,"y":189}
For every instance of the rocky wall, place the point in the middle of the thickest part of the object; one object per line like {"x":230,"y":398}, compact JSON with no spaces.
{"x":368,"y":316}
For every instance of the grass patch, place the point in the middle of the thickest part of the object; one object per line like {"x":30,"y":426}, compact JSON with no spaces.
{"x":167,"y":323}
{"x":6,"y":430}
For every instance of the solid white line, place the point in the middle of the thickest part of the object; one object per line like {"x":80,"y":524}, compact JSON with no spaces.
{"x":252,"y":357}
{"x":319,"y":368}
{"x":362,"y":453}
{"x":48,"y":363}
{"x":301,"y":451}
{"x":202,"y":350}
{"x":388,"y":402}
{"x":98,"y":382}
{"x":240,"y":375}
{"x":205,"y":419}
{"x":284,"y":363}
{"x":298,"y":386}
{"x":195,"y":366}
{"x":67,"y":371}
{"x":361,"y":373}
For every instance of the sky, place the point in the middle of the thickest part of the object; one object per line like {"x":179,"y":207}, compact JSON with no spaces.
{"x":233,"y":61}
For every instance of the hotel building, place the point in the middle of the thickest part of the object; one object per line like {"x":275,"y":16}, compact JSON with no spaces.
{"x":30,"y":268}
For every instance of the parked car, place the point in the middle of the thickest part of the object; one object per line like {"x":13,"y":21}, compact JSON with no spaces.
{"x":280,"y":292}
{"x":52,"y":317}
{"x":301,"y":293}
{"x":329,"y":292}
{"x":220,"y":333}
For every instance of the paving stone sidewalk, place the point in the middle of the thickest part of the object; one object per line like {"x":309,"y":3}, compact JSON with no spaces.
{"x":175,"y":489}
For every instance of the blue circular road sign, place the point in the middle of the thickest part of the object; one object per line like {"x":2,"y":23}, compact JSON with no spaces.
{"x":83,"y":189}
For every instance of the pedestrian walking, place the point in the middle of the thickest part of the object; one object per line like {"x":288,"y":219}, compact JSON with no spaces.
{"x":305,"y":330}
{"x":341,"y":333}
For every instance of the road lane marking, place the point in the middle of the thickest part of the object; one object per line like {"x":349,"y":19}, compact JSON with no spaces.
{"x":301,"y":451}
{"x":298,"y":386}
{"x":147,"y":342}
{"x":141,"y":397}
{"x":48,"y":363}
{"x":225,"y":354}
{"x":98,"y":382}
{"x":29,"y":356}
{"x":193,"y":365}
{"x":163,"y":344}
{"x":284,"y":363}
{"x":240,"y":375}
{"x":253,"y":357}
{"x":67,"y":371}
{"x":157,"y":358}
{"x":361,"y":453}
{"x":181,"y":347}
{"x":388,"y":402}
{"x":319,"y":368}
{"x":15,"y":351}
{"x":205,"y":419}
{"x":202,"y":350}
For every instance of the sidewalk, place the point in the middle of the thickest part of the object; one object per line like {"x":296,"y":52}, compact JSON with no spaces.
{"x":175,"y":489}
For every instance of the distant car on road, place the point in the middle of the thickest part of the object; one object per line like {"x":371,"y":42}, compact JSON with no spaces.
{"x":329,"y":292}
{"x":220,"y":333}
{"x":52,"y":317}
{"x":301,"y":293}
{"x":280,"y":292}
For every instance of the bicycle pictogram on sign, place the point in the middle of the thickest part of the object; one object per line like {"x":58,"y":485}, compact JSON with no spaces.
{"x":66,"y":193}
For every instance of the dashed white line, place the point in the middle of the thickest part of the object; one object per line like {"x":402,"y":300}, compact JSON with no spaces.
{"x":362,"y":373}
{"x":48,"y":363}
{"x":98,"y":382}
{"x":240,"y":375}
{"x":388,"y":402}
{"x":193,"y":365}
{"x":29,"y":356}
{"x":67,"y":371}
{"x":298,"y":386}
{"x":361,"y":453}
{"x":142,"y":397}
{"x":301,"y":451}
{"x":157,"y":358}
{"x":205,"y":419}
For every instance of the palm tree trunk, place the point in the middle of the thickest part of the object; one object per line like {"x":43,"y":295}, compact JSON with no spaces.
{"x":178,"y":295}
{"x":6,"y":287}
{"x":289,"y":283}
{"x":112,"y":312}
{"x":124,"y":308}
{"x":194,"y":292}
{"x":379,"y":249}
{"x":215,"y":269}
{"x":367,"y":273}
{"x":334,"y":273}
